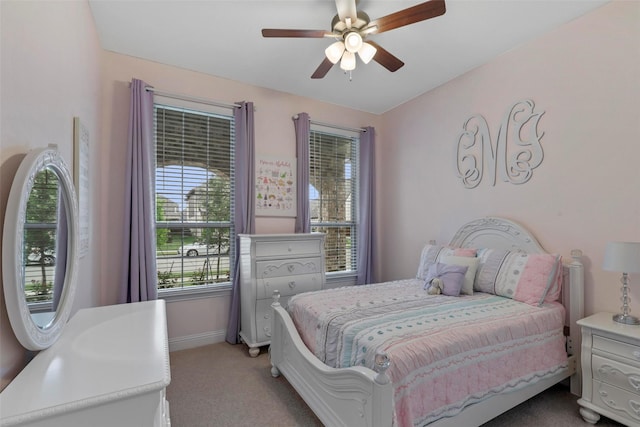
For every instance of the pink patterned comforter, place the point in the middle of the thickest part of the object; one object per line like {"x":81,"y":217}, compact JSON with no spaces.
{"x":446,"y":352}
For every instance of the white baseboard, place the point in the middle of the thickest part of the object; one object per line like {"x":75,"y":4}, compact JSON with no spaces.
{"x":196,"y":340}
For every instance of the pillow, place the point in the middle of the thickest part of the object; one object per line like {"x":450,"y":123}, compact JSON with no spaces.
{"x":529,"y":278}
{"x":452,"y":277}
{"x":432,"y":254}
{"x":554,"y":285}
{"x":470,"y":276}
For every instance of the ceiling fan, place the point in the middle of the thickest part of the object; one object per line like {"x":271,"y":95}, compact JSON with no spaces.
{"x":351,"y":27}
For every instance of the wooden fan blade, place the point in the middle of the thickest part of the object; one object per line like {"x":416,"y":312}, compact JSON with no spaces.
{"x":322,"y":69}
{"x":417,"y":13}
{"x":347,"y":9}
{"x":386,"y":59}
{"x":274,"y":32}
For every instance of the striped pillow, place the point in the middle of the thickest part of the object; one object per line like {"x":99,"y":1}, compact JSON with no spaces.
{"x":529,"y":278}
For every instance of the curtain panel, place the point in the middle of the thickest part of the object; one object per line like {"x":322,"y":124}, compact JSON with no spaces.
{"x":366,"y":226}
{"x":302,"y":125}
{"x":244,"y":219}
{"x":139,"y":277}
{"x":61,"y":251}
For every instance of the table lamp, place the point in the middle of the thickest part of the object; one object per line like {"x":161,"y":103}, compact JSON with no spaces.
{"x":623,"y":257}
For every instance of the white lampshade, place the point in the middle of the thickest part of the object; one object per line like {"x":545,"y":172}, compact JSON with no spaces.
{"x":367,"y":52}
{"x":348,"y":62}
{"x":334,"y":52}
{"x":353,"y":42}
{"x":623,"y":257}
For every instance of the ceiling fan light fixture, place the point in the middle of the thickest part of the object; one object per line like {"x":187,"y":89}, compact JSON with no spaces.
{"x":367,"y":52}
{"x":348,"y":62}
{"x":334,"y":52}
{"x":353,"y":41}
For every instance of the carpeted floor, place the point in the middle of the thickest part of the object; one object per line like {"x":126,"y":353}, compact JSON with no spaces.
{"x":219,"y":385}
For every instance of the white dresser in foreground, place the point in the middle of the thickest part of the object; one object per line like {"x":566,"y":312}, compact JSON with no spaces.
{"x":288,"y":263}
{"x":110,"y":367}
{"x":610,"y":370}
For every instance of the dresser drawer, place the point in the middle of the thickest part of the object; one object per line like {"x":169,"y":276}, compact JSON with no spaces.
{"x":284,"y":248}
{"x":623,"y":349}
{"x":615,"y":373}
{"x":289,"y":285}
{"x":294,"y":267}
{"x":263,"y":318}
{"x":621,"y":402}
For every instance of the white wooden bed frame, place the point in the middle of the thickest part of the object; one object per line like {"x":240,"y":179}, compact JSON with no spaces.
{"x":359,"y":396}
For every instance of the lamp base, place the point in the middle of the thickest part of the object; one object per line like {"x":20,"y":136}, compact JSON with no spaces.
{"x":627,"y":319}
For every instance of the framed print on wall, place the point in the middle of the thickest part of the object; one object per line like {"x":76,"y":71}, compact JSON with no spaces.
{"x":81,"y":181}
{"x":275,"y":186}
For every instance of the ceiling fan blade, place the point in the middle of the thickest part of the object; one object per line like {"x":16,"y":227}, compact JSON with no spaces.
{"x":384,"y":58}
{"x":347,"y":9}
{"x":322,"y":69}
{"x":274,"y":32}
{"x":417,"y":13}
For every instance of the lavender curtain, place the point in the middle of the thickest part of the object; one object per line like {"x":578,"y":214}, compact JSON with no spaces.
{"x":62,"y":238}
{"x":139,"y":277}
{"x":244,"y":222}
{"x":302,"y":125}
{"x":366,"y":230}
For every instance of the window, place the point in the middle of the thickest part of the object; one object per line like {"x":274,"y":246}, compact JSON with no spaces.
{"x":194,"y":153}
{"x":333,"y":195}
{"x":41,"y":218}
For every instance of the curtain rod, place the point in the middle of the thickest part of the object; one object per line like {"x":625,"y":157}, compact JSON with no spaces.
{"x":190,"y":98}
{"x":329,"y":125}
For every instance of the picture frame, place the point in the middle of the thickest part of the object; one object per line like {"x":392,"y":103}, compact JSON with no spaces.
{"x":275,"y":186}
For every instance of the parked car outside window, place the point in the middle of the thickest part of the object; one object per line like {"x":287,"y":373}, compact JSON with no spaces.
{"x":197,"y":249}
{"x":36,"y":253}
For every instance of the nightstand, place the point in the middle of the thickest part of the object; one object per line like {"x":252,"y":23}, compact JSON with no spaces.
{"x":610,"y":370}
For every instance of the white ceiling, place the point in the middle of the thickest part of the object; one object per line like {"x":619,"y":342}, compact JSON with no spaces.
{"x":223,"y":38}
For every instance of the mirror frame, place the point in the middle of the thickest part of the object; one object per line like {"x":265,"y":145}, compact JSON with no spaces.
{"x":30,"y":335}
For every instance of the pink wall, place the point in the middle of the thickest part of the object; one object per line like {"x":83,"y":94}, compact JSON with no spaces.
{"x":274,"y":136}
{"x":50,"y":72}
{"x":586,"y":77}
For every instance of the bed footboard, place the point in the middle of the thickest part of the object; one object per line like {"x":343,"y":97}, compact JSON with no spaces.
{"x":348,"y":397}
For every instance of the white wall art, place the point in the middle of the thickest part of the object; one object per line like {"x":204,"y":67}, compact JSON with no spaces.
{"x":516,"y":153}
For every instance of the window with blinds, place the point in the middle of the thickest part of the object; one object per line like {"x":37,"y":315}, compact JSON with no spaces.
{"x":194,"y":172}
{"x":333,"y":180}
{"x":40,"y":234}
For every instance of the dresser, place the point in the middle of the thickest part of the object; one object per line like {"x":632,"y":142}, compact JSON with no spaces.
{"x":610,"y":370}
{"x":110,"y":367}
{"x":287,"y":263}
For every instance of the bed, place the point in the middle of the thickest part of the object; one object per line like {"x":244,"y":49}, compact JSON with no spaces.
{"x":352,"y":371}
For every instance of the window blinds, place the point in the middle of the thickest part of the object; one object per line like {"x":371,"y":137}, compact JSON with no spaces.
{"x":333,"y":172}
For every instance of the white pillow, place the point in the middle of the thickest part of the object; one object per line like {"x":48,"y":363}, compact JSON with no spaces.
{"x":470,"y":276}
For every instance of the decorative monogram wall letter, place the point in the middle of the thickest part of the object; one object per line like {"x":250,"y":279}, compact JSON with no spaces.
{"x":517,"y":148}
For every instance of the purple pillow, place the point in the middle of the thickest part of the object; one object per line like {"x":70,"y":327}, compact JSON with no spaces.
{"x":452,"y":277}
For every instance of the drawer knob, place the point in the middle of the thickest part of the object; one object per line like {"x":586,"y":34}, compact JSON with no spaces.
{"x":636,"y":354}
{"x":635,"y":406}
{"x":267,"y":331}
{"x":292,"y":284}
{"x":635,"y":382}
{"x":289,"y":249}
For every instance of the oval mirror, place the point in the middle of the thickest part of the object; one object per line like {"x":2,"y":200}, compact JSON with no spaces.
{"x":39,"y":255}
